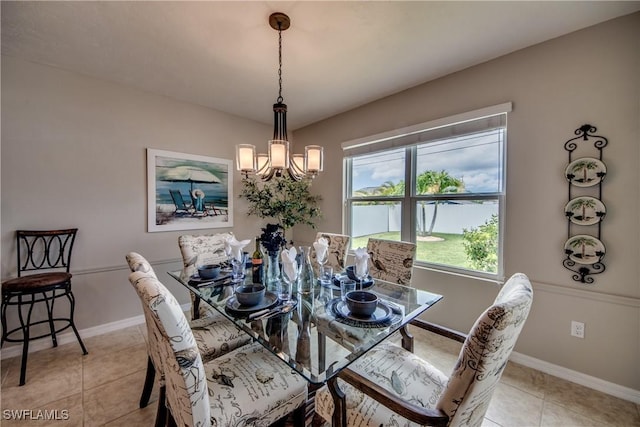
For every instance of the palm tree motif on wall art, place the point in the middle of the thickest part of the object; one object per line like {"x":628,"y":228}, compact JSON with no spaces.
{"x":585,"y":210}
{"x":583,"y":204}
{"x":584,"y":249}
{"x":585,"y":172}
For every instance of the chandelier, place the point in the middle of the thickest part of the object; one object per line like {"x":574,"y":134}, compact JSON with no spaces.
{"x":278,"y":161}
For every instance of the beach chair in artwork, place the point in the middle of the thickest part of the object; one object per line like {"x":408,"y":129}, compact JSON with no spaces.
{"x":178,"y":201}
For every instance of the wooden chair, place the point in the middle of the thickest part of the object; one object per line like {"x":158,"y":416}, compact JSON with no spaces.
{"x":391,"y":386}
{"x":48,"y":254}
{"x":337,"y":252}
{"x":214,"y":336}
{"x":249,"y":386}
{"x":391,"y":261}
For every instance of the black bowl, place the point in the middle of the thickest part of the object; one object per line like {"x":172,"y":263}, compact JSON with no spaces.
{"x":362,"y":303}
{"x":249,"y":295}
{"x":209,"y":271}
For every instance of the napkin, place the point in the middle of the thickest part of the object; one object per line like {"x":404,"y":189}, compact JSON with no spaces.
{"x":321,"y":246}
{"x":362,"y":262}
{"x":234,"y":247}
{"x":289,"y":264}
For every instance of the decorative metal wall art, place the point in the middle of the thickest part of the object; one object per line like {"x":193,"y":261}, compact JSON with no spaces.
{"x":585,"y":210}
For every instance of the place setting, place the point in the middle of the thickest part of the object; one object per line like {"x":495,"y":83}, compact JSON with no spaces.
{"x":211,"y":274}
{"x":356,"y":306}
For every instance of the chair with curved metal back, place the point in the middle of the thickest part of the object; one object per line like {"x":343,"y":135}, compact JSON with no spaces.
{"x":249,"y":386}
{"x":391,"y":386}
{"x":45,"y":258}
{"x":391,"y":260}
{"x":214,"y":336}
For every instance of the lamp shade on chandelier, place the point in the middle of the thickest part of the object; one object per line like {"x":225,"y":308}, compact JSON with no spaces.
{"x":278,"y":161}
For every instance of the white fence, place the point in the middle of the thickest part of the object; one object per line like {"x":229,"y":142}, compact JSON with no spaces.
{"x":451,"y":218}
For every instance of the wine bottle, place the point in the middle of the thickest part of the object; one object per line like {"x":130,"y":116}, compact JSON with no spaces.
{"x":256,"y":263}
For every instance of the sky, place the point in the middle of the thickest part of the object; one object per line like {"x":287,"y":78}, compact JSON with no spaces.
{"x":472,"y":158}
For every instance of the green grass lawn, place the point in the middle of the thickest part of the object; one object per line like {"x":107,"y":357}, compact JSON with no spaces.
{"x":449,"y":251}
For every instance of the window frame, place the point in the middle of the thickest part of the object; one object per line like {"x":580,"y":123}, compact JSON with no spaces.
{"x":409,"y":201}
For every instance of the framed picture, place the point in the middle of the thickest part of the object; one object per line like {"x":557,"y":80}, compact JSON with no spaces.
{"x":187,"y":191}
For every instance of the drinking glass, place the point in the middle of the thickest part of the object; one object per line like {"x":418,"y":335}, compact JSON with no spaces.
{"x":346,"y":286}
{"x":363,"y":274}
{"x":238,"y":268}
{"x":322,"y":259}
{"x":326,"y":275}
{"x":285,"y":287}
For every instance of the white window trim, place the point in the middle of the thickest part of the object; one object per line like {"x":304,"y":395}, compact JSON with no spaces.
{"x":384,"y":141}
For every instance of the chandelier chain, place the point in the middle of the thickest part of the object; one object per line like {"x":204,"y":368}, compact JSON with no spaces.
{"x":280,"y":99}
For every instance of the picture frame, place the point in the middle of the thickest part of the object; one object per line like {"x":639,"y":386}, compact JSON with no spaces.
{"x":188,"y":191}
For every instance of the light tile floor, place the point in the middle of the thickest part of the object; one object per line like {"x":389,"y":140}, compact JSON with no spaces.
{"x":103,"y":388}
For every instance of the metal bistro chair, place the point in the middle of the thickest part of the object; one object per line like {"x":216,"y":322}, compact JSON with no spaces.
{"x":48,"y":251}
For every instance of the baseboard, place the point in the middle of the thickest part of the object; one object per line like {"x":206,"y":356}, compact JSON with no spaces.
{"x":69,"y":337}
{"x":594,"y":383}
{"x":585,"y":380}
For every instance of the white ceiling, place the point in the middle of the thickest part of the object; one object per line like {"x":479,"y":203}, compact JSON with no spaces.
{"x":336,"y":55}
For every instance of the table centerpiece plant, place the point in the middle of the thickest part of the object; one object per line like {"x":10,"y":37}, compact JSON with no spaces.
{"x":289,"y":203}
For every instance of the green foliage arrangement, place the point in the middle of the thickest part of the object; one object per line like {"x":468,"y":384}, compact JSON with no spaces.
{"x":481,"y":245}
{"x":288,"y":201}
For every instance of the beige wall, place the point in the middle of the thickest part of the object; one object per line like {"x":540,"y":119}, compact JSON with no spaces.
{"x":591,"y":76}
{"x":73,"y":155}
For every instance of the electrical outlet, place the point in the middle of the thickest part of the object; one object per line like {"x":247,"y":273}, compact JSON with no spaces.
{"x":577,"y":329}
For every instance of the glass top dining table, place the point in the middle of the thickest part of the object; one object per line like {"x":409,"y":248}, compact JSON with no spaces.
{"x":313,"y":332}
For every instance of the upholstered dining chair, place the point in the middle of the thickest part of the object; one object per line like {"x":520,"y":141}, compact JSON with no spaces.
{"x":391,"y":386}
{"x":44,"y":260}
{"x":337,"y":252}
{"x":197,"y":250}
{"x":249,"y":386}
{"x":390,"y":260}
{"x":214,"y":336}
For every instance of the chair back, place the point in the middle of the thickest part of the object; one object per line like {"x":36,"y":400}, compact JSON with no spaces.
{"x":203,"y":249}
{"x":48,"y":250}
{"x":485,"y":353}
{"x":187,"y":391}
{"x":391,"y":260}
{"x":337,"y":252}
{"x":139,"y":263}
{"x":178,"y":200}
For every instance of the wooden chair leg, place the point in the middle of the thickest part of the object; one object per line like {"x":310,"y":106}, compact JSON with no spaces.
{"x":299,"y":416}
{"x":171,"y":422}
{"x":148,"y":383}
{"x":163,"y":416}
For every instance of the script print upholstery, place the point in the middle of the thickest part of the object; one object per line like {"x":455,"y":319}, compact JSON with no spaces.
{"x":336,"y":253}
{"x":248,"y":386}
{"x":215,"y":335}
{"x":466,"y":394}
{"x":198,"y":250}
{"x":390,"y":260}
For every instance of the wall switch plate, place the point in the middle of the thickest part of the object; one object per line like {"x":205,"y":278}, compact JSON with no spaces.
{"x":577,"y":329}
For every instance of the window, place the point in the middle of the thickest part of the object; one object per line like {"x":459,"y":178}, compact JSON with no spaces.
{"x":439,"y":185}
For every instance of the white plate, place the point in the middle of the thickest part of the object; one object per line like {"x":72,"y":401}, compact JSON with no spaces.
{"x":585,"y":172}
{"x":584,"y":249}
{"x":585,"y":210}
